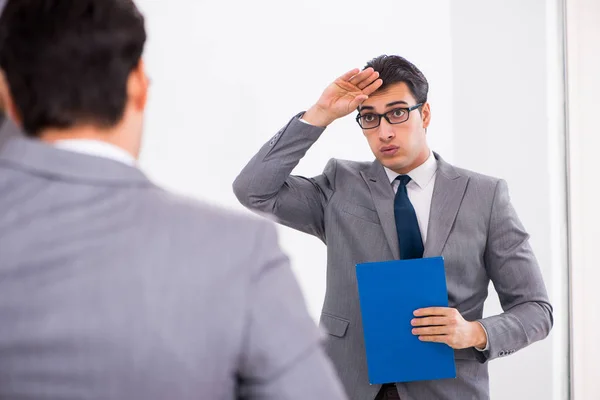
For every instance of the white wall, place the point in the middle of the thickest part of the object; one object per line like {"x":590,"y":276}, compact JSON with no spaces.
{"x":224,"y":82}
{"x":583,"y":47}
{"x":227,"y":75}
{"x":509,"y":122}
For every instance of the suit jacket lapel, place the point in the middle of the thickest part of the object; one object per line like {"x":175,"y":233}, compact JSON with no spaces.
{"x":448,"y":193}
{"x":383,"y":199}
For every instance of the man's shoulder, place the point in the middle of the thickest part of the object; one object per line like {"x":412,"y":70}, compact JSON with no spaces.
{"x":482,"y":184}
{"x":202,"y":215}
{"x":348,"y":167}
{"x":207,"y":231}
{"x":353,"y":165}
{"x":478,"y":176}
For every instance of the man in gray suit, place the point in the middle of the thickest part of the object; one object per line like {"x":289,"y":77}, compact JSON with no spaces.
{"x":110,"y":287}
{"x":409,"y":203}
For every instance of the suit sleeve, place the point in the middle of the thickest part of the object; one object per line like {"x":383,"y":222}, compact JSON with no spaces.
{"x":517,"y":278}
{"x":266,"y":185}
{"x":283,"y":356}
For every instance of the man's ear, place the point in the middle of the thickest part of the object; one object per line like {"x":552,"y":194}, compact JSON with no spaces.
{"x":426,"y":115}
{"x":137,"y":86}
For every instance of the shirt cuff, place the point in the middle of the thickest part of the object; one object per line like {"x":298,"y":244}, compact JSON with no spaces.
{"x":487,"y":339}
{"x":302,"y":120}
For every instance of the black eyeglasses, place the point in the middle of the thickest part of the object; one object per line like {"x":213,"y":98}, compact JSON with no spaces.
{"x":396,"y":116}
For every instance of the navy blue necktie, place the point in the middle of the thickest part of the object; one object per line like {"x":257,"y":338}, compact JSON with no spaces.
{"x":407,"y":226}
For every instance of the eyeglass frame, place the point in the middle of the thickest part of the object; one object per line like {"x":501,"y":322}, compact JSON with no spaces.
{"x":384,"y":115}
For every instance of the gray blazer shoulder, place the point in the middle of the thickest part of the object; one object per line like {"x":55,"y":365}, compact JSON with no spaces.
{"x":151,"y":295}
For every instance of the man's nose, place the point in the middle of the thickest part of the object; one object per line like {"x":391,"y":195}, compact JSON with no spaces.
{"x":386,"y":130}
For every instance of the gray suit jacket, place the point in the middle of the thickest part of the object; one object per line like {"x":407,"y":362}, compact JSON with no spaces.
{"x":350,"y":208}
{"x":111,"y":288}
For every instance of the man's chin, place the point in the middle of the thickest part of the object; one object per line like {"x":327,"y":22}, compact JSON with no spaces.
{"x":396,"y":163}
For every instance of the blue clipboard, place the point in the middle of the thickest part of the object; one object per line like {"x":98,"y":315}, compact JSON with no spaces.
{"x":389,"y":293}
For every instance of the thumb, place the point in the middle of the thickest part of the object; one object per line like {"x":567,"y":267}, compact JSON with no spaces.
{"x":358,"y":100}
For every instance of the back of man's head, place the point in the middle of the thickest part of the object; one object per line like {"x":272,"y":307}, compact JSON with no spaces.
{"x":67,"y":63}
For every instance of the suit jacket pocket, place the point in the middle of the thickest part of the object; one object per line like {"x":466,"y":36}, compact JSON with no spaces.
{"x":358,"y":211}
{"x":333,"y":325}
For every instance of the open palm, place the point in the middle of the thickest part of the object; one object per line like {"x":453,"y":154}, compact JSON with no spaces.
{"x":347,"y":92}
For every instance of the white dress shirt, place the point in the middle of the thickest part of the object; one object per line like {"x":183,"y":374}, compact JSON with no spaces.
{"x":96,"y":148}
{"x":419,"y":189}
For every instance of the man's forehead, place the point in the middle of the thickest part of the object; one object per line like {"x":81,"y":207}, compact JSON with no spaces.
{"x":390,"y":94}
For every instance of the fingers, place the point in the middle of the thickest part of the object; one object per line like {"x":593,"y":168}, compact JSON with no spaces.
{"x":433,"y":311}
{"x":373,"y":87}
{"x":368,"y":80}
{"x":435,"y":338}
{"x":348,"y":75}
{"x":358,"y":100}
{"x":431,"y":321}
{"x":431,"y":330}
{"x":362,"y":76}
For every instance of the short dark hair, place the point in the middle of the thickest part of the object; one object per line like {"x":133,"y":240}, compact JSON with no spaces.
{"x":67,"y":62}
{"x":396,"y":69}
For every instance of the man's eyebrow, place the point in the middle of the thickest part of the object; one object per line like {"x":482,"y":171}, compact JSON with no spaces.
{"x":394,"y":103}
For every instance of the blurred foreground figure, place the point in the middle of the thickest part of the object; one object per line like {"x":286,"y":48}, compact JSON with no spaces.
{"x":110,"y":287}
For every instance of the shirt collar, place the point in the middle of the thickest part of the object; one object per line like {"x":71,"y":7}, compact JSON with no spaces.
{"x":421,"y":175}
{"x":96,"y":148}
